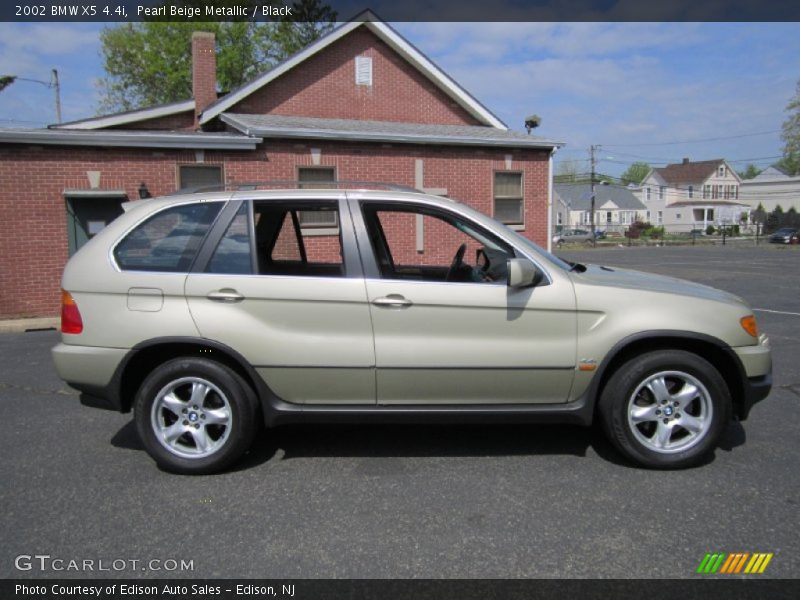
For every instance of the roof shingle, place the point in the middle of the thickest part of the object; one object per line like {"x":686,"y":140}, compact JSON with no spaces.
{"x":278,"y":126}
{"x":688,"y":172}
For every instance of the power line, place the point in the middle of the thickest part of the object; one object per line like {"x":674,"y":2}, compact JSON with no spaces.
{"x":697,"y":141}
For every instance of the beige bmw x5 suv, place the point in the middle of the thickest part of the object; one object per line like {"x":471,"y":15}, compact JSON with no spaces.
{"x":211,"y":315}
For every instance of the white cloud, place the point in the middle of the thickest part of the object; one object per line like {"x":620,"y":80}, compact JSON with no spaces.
{"x":45,"y":39}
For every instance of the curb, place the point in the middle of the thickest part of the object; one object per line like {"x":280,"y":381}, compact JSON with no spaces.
{"x":23,"y":325}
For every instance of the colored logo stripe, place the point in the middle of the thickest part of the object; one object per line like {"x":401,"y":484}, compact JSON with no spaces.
{"x":711,"y":562}
{"x":733,"y":563}
{"x":758,"y":563}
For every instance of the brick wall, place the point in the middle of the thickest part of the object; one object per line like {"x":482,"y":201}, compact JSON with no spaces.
{"x":33,"y":245}
{"x":324,"y":87}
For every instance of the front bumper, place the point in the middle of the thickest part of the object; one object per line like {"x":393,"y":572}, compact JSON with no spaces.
{"x":756,"y":364}
{"x":755,"y":390}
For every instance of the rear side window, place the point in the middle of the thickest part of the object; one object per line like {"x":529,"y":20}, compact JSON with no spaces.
{"x":167,"y":241}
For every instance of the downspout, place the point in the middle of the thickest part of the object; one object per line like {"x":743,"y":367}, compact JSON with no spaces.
{"x":550,"y":199}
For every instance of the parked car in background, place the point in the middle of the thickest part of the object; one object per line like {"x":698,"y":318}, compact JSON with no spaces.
{"x":785,"y":235}
{"x":575,"y":236}
{"x":214,"y":315}
{"x":572,"y":236}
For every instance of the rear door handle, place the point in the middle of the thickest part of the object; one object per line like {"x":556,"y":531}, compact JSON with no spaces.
{"x":226,"y":295}
{"x":392,"y":301}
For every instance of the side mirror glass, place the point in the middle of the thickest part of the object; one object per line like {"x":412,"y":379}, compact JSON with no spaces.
{"x":523,"y":273}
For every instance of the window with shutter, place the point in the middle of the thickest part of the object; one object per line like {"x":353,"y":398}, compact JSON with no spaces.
{"x":508,"y":198}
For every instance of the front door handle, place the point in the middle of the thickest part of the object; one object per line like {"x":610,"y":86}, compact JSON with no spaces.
{"x":226,"y":295}
{"x":392,"y":301}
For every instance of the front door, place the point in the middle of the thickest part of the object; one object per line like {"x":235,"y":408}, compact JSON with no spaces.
{"x":87,"y":216}
{"x":447,"y":327}
{"x":290,"y":299}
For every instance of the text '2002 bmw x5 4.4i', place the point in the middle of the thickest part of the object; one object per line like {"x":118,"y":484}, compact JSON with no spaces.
{"x":212,"y":314}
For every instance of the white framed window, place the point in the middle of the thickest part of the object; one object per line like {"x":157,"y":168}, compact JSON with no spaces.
{"x":721,"y":171}
{"x":192,"y":177}
{"x":691,"y":191}
{"x":647,"y":218}
{"x":677,"y":216}
{"x":316,"y":178}
{"x":661,"y":190}
{"x":364,"y":70}
{"x":647,"y":194}
{"x":706,"y":191}
{"x":508,"y":198}
{"x":660,"y":218}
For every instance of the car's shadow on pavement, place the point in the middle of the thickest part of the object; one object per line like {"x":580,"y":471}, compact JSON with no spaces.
{"x":393,"y":441}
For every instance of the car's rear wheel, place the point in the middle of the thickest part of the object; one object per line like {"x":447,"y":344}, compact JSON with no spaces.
{"x":665,"y":409}
{"x":195,"y":416}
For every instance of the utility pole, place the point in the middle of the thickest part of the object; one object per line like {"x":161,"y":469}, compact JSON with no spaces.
{"x":6,"y":80}
{"x":592,"y":149}
{"x":57,"y":86}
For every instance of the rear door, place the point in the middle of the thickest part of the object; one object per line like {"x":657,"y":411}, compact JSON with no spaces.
{"x":290,"y":297}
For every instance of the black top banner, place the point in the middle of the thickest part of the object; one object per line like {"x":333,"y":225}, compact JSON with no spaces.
{"x":406,"y":10}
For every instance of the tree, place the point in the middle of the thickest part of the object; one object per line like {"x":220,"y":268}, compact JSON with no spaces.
{"x":759,"y":215}
{"x":790,"y":164}
{"x":635,"y":173}
{"x":791,"y":136}
{"x":566,"y":172}
{"x":149,"y":62}
{"x":750,"y":172}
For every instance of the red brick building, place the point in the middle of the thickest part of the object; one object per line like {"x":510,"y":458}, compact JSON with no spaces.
{"x":361,"y":103}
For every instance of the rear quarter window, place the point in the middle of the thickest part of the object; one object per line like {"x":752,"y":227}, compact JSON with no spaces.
{"x":168,"y":241}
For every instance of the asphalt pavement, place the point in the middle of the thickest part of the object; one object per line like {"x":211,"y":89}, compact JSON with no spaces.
{"x":410,"y":501}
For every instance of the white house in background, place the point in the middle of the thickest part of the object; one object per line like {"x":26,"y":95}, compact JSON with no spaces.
{"x":693,"y":195}
{"x":616,"y":207}
{"x":772,"y":188}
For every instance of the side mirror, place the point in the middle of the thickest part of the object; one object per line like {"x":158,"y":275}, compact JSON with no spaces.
{"x":523,"y":273}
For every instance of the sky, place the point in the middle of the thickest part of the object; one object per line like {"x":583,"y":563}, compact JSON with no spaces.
{"x":652,"y":92}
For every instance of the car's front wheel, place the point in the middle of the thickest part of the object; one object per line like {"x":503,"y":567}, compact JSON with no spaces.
{"x":665,"y":409}
{"x":195,"y":416}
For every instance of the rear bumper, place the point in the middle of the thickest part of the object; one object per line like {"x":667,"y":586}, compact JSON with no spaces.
{"x":89,"y":370}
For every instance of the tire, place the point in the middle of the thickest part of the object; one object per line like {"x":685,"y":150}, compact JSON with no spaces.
{"x":195,"y":416}
{"x":644,"y":410}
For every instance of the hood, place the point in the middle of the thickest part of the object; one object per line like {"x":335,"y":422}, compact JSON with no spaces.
{"x":637,"y":280}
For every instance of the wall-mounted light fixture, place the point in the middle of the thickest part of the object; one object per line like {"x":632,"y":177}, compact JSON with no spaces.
{"x":144,"y":192}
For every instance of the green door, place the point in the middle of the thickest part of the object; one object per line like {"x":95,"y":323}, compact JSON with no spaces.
{"x":86,"y":217}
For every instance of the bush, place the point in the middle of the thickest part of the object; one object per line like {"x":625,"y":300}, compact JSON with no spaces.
{"x":710,"y":230}
{"x":653,"y":232}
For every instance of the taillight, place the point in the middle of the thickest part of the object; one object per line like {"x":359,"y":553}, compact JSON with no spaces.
{"x":71,"y":321}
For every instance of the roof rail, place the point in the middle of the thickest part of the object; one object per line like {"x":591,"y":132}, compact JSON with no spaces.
{"x":298,"y":185}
